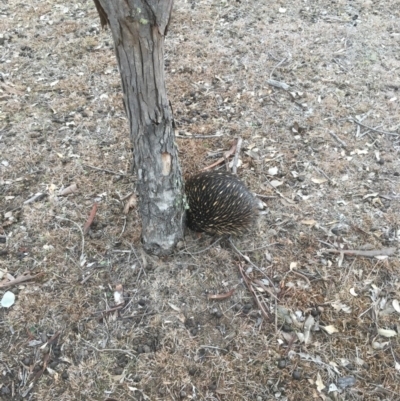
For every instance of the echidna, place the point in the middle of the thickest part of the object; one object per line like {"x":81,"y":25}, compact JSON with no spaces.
{"x":219,"y":203}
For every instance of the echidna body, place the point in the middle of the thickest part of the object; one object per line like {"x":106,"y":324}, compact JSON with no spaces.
{"x":219,"y":203}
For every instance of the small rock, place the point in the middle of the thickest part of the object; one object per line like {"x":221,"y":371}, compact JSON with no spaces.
{"x":282,"y":364}
{"x":346,"y":381}
{"x":296,"y":375}
{"x":118,"y":371}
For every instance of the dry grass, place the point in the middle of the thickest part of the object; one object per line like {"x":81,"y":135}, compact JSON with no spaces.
{"x":61,"y":110}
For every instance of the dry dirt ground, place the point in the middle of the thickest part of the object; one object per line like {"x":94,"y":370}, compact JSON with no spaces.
{"x":309,"y":324}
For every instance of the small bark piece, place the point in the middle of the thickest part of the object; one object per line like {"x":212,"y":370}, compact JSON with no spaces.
{"x":89,"y":221}
{"x":222,"y":296}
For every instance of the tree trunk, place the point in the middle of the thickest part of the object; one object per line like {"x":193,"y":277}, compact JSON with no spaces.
{"x":138,"y":28}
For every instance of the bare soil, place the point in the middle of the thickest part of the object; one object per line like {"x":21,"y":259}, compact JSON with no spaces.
{"x":322,"y":152}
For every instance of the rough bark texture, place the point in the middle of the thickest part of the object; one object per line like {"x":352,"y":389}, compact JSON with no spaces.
{"x":138,"y":28}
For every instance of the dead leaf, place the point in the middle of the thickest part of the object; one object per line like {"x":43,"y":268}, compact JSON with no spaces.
{"x":319,"y":383}
{"x":308,"y":324}
{"x":396,"y":305}
{"x":119,"y":295}
{"x":175,"y":308}
{"x":130,"y":204}
{"x":308,"y":222}
{"x":69,"y":190}
{"x":319,"y":180}
{"x":360,"y":152}
{"x":276,"y":183}
{"x":273,"y":171}
{"x":387,"y":333}
{"x":330,"y":329}
{"x":353,"y":292}
{"x":8,"y":299}
{"x":378,"y":345}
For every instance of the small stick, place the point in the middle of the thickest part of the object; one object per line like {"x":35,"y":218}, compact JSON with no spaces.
{"x":236,"y":157}
{"x":34,"y":198}
{"x":83,"y":281}
{"x":213,"y":347}
{"x":281,"y":195}
{"x":228,"y":153}
{"x":197,"y":136}
{"x":264,"y":311}
{"x":323,"y":173}
{"x":54,"y":338}
{"x":261,"y":247}
{"x":368,"y":254}
{"x":265,"y":196}
{"x":109,"y":310}
{"x":273,"y":70}
{"x":19,"y":280}
{"x":300,"y":275}
{"x":334,"y":136}
{"x":185,"y":251}
{"x":80,"y":229}
{"x":277,"y":84}
{"x":110,"y":350}
{"x":89,"y":221}
{"x":103,"y":169}
{"x":247,"y":259}
{"x":222,"y":296}
{"x":373,"y":129}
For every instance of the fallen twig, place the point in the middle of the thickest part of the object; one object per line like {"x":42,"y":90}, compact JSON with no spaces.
{"x":236,"y":157}
{"x":277,"y":84}
{"x":249,"y":286}
{"x":273,"y":70}
{"x":83,"y":281}
{"x":337,"y":139}
{"x":197,"y":136}
{"x":247,"y":259}
{"x":104,"y":312}
{"x":323,"y":173}
{"x":103,"y":169}
{"x":80,"y":229}
{"x":290,"y":201}
{"x":228,"y":153}
{"x":368,"y":254}
{"x":373,"y":129}
{"x":299,"y":275}
{"x":20,"y":279}
{"x":186,"y":252}
{"x":222,"y":296}
{"x":110,"y":350}
{"x":34,"y":198}
{"x":54,"y":338}
{"x":36,"y":376}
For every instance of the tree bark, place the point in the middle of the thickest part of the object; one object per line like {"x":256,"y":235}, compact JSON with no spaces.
{"x":138,"y":28}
